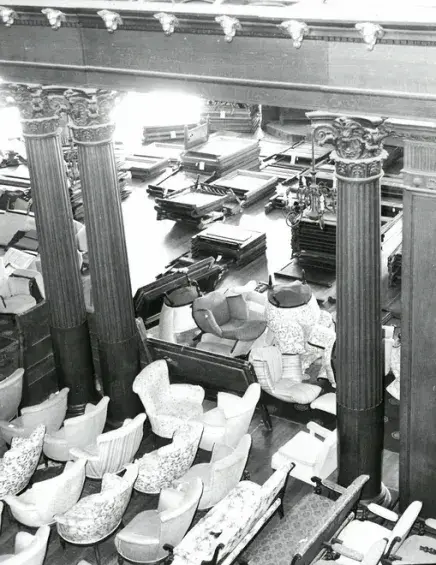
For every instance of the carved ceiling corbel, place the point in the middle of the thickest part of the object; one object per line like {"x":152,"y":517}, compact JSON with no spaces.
{"x":55,"y":17}
{"x":7,"y":15}
{"x":111,"y":19}
{"x":296,"y":29}
{"x":229,"y":25}
{"x":168,"y":22}
{"x":370,"y":33}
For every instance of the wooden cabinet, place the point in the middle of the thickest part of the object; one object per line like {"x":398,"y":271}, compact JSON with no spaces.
{"x":418,"y":350}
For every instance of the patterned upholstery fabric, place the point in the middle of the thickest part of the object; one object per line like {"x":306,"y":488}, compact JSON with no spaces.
{"x":96,"y":516}
{"x":167,"y":406}
{"x":160,"y":468}
{"x":20,"y":462}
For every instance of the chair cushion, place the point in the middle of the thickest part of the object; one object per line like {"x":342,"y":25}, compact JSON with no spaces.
{"x":301,"y":393}
{"x":302,"y":448}
{"x":145,"y":525}
{"x":238,"y":307}
{"x":410,"y":549}
{"x":360,"y":536}
{"x":326,"y":403}
{"x":214,"y":417}
{"x":202,"y":471}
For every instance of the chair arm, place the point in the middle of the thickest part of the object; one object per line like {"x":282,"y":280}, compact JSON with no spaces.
{"x":382,"y":512}
{"x":347,"y":552}
{"x":194,"y":393}
{"x":329,"y":485}
{"x":431,"y":523}
{"x":315,"y":428}
{"x":79,"y":453}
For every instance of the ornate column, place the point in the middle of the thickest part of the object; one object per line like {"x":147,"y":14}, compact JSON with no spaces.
{"x":39,"y":108}
{"x":358,"y":156}
{"x":92,"y":130}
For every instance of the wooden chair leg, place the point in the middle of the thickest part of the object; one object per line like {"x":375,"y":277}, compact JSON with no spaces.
{"x":97,"y":554}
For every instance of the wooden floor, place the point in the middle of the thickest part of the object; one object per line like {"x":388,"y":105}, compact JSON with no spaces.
{"x":264,"y":444}
{"x":151,"y":245}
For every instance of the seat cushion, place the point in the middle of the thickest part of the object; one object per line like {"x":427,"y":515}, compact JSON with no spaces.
{"x":301,"y":393}
{"x":145,"y":525}
{"x":360,"y":536}
{"x":326,"y":403}
{"x":302,"y":448}
{"x":202,"y":471}
{"x":411,"y":550}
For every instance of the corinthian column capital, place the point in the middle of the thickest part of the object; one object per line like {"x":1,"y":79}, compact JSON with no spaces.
{"x":91,"y":115}
{"x":40,"y":107}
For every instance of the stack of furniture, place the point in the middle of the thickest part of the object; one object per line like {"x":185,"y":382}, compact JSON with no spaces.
{"x":243,"y":118}
{"x":248,"y":186}
{"x":176,"y":180}
{"x":164,"y":132}
{"x":141,"y":165}
{"x":238,"y":244}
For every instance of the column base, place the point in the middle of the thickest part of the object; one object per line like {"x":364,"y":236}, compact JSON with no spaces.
{"x":384,"y":498}
{"x":75,"y":410}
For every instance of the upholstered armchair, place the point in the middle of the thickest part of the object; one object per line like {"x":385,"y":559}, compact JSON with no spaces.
{"x":77,"y":432}
{"x":167,"y":405}
{"x":51,"y":413}
{"x":237,"y":314}
{"x":11,"y":389}
{"x":274,"y":374}
{"x":176,"y":323}
{"x":19,"y":463}
{"x":222,"y":473}
{"x":313,"y":456}
{"x":230,"y":420}
{"x":38,"y":505}
{"x":143,"y":539}
{"x":97,"y":516}
{"x":160,"y":468}
{"x":360,"y":535}
{"x":29,"y":549}
{"x":113,"y":450}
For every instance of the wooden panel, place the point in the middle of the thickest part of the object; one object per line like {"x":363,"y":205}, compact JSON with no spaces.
{"x":418,"y":362}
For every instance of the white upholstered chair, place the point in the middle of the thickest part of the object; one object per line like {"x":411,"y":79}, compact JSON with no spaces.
{"x":222,"y":473}
{"x":158,"y":469}
{"x":77,"y":432}
{"x":113,"y":450}
{"x":19,"y":463}
{"x":313,"y":456}
{"x":1,"y":512}
{"x":29,"y":549}
{"x":167,"y":405}
{"x":51,"y":413}
{"x":97,"y":516}
{"x":360,"y":535}
{"x":144,"y":538}
{"x":230,"y":420}
{"x":38,"y":505}
{"x":11,"y":390}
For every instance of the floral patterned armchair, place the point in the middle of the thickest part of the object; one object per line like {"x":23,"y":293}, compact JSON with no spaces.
{"x":167,"y":405}
{"x":51,"y":413}
{"x":113,"y":450}
{"x":29,"y":549}
{"x":144,"y":538}
{"x":11,"y":389}
{"x":160,"y":468}
{"x":19,"y":463}
{"x":97,"y":516}
{"x":222,"y":473}
{"x":37,"y":506}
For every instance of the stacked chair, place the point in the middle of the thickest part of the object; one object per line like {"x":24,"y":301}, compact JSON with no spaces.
{"x":29,"y":549}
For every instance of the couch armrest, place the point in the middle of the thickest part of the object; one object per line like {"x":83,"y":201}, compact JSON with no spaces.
{"x":315,"y":428}
{"x":193,"y":393}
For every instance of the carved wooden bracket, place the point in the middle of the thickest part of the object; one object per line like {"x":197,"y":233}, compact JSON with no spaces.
{"x":168,"y":22}
{"x":296,"y":29}
{"x":55,"y":17}
{"x":230,"y":26}
{"x":111,"y":19}
{"x":370,"y":33}
{"x":7,"y":15}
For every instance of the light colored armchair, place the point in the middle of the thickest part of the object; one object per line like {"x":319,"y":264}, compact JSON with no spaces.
{"x":359,"y":535}
{"x":97,"y":516}
{"x":29,"y":549}
{"x":222,"y":473}
{"x":51,"y":413}
{"x":19,"y":463}
{"x":160,"y":468}
{"x":144,"y":538}
{"x":38,"y":505}
{"x":113,"y":450}
{"x":77,"y":432}
{"x":11,"y":390}
{"x":230,"y":420}
{"x":167,"y":405}
{"x":1,"y":512}
{"x":313,"y":456}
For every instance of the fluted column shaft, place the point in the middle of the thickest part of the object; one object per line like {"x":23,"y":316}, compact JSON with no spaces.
{"x":108,"y":261}
{"x":359,"y":340}
{"x":58,"y":251}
